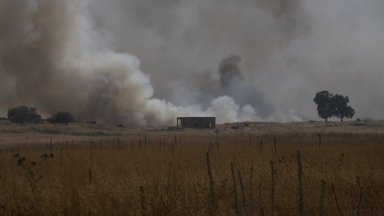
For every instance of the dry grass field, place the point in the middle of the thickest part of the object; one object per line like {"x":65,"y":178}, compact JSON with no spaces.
{"x":237,"y":169}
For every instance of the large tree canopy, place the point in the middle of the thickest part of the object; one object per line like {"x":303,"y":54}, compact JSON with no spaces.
{"x":329,"y":105}
{"x":340,"y":108}
{"x":323,"y":101}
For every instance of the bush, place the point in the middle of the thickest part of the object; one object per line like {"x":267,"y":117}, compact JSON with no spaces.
{"x":23,"y":114}
{"x":61,"y":117}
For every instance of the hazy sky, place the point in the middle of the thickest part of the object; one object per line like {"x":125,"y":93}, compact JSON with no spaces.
{"x":147,"y":61}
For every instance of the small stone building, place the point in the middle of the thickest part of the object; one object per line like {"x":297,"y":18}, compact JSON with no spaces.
{"x":196,"y":122}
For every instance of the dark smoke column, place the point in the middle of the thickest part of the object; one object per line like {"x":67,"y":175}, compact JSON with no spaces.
{"x":230,"y":73}
{"x":244,"y":93}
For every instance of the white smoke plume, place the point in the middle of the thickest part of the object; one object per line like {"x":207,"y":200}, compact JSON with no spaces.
{"x":289,"y":49}
{"x":52,"y":58}
{"x":72,"y":55}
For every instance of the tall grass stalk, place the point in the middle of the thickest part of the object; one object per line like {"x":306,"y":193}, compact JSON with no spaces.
{"x":275,"y":144}
{"x":360,"y":194}
{"x":250,"y":140}
{"x":260,"y":200}
{"x":145,"y":141}
{"x":90,"y":162}
{"x":50,"y":145}
{"x":251,"y":198}
{"x":300,"y":183}
{"x":336,"y":200}
{"x":322,"y":198}
{"x":242,"y":189}
{"x":237,"y":211}
{"x":142,"y":200}
{"x":272,"y":188}
{"x":213,"y":197}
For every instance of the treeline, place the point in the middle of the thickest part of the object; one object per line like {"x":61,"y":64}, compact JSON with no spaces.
{"x":24,"y":114}
{"x":328,"y":106}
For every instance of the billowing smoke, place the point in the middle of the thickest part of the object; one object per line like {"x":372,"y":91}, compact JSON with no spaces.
{"x":52,"y":58}
{"x":233,"y":85}
{"x":289,"y":49}
{"x":73,"y":55}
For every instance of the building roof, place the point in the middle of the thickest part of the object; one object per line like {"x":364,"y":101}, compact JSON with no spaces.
{"x":194,"y":117}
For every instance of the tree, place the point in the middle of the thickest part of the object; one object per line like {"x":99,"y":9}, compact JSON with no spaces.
{"x":340,"y":108}
{"x":323,"y":101}
{"x":23,"y":114}
{"x":349,"y":112}
{"x":329,"y":105}
{"x":61,"y":117}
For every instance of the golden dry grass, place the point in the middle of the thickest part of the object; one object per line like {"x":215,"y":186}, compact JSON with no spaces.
{"x":118,"y":171}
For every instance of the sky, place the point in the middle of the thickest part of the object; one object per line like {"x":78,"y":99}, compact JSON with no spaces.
{"x":144,"y":62}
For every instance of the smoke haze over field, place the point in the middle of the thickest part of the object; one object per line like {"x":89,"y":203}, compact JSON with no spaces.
{"x":148,"y":61}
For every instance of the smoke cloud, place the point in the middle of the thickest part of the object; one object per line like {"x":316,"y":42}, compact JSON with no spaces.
{"x":233,"y":84}
{"x":73,"y":55}
{"x":230,"y":72}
